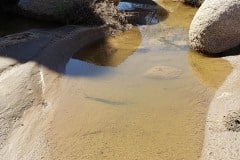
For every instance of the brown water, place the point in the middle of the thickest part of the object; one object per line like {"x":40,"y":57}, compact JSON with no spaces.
{"x":109,"y":108}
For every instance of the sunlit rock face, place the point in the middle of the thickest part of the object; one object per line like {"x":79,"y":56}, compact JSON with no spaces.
{"x":215,"y":27}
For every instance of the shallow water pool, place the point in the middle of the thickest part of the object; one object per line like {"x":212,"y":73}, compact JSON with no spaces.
{"x":112,"y":107}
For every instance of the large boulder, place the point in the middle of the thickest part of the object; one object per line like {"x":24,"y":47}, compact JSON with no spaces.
{"x":67,"y":11}
{"x":216,"y":26}
{"x":58,"y":10}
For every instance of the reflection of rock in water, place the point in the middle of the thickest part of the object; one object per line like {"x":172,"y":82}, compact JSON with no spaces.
{"x":111,"y":51}
{"x":143,"y":12}
{"x":211,"y":71}
{"x":180,"y":15}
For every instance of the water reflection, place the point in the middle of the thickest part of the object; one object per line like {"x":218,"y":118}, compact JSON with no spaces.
{"x":112,"y":51}
{"x":143,"y":12}
{"x":179,"y":15}
{"x":210,"y":71}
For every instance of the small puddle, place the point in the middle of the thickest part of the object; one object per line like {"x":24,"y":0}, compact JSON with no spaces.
{"x":110,"y":109}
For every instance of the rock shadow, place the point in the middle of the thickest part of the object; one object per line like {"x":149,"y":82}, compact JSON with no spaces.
{"x":230,"y":52}
{"x":53,"y":48}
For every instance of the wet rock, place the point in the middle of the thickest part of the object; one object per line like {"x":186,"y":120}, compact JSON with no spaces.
{"x":215,"y":27}
{"x":163,"y":72}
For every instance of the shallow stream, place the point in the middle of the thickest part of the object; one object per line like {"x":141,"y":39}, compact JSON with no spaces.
{"x":141,"y":95}
{"x":117,"y":101}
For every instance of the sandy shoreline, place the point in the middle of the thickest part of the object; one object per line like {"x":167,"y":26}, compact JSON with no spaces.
{"x":219,"y":143}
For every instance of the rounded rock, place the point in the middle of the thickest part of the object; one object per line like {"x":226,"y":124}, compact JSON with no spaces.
{"x":215,"y":27}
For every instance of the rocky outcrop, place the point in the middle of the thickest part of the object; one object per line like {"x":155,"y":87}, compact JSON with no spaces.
{"x":51,"y":9}
{"x":76,"y":12}
{"x":87,"y":12}
{"x":215,"y":27}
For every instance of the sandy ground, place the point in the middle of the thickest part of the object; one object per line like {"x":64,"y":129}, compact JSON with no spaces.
{"x":220,"y":143}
